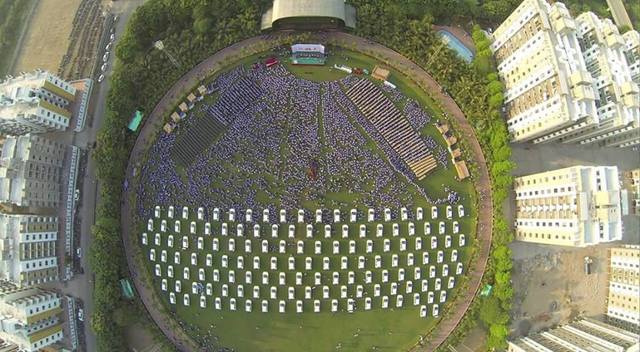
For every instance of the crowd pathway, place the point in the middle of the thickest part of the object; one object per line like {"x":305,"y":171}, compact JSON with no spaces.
{"x":208,"y":67}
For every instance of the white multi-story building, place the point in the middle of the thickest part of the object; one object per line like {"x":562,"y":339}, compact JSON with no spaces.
{"x":568,"y":80}
{"x":632,"y":41}
{"x":28,"y":249}
{"x":582,"y":335}
{"x":631,"y":182}
{"x":29,"y":318}
{"x":35,"y":102}
{"x":30,"y":172}
{"x":576,"y":206}
{"x":623,"y":301}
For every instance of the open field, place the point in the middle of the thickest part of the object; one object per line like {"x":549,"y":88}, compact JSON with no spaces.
{"x":283,"y":182}
{"x":48,"y":33}
{"x":552,"y":288}
{"x":14,"y":18}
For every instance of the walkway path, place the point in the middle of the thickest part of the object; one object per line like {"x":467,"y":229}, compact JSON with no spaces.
{"x":153,"y":123}
{"x":482,"y":182}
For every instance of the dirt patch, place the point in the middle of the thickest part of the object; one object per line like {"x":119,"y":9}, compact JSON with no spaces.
{"x":48,"y":33}
{"x":551,"y":286}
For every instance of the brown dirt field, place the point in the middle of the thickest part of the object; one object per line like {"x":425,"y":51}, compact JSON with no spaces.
{"x":46,"y":35}
{"x":551,"y":287}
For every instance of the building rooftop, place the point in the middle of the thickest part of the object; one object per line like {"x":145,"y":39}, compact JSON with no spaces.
{"x":283,"y":9}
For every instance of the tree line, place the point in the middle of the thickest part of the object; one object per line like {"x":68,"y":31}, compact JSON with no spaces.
{"x":479,"y":93}
{"x":192,"y":30}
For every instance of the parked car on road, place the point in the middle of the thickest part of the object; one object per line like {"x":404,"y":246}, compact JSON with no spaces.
{"x":80,"y":314}
{"x":100,"y":78}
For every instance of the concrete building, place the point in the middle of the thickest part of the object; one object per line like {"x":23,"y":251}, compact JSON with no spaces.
{"x":567,"y":80}
{"x":623,"y":302}
{"x":309,"y":14}
{"x":632,"y":41}
{"x":28,"y":249}
{"x":619,"y":13}
{"x":30,"y":172}
{"x":631,"y":182}
{"x":582,"y":335}
{"x":35,"y":102}
{"x":30,"y":318}
{"x":576,"y":206}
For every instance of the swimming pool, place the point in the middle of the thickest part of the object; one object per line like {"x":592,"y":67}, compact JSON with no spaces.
{"x":455,"y":44}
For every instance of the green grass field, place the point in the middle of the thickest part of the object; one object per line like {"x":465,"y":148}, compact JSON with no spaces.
{"x":379,"y":329}
{"x":388,"y":330}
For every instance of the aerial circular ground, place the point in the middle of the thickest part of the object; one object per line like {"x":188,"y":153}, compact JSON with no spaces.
{"x":292,"y":138}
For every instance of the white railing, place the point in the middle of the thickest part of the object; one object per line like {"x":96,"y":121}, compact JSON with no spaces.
{"x":71,"y":202}
{"x":82,"y":111}
{"x":73,"y":330}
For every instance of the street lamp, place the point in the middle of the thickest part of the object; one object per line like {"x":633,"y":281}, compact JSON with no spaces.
{"x":160,"y":46}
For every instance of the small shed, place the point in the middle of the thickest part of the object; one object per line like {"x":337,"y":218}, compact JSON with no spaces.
{"x":442,"y":127}
{"x":183,"y":107}
{"x":380,"y":73}
{"x":168,"y":127}
{"x":202,"y":90}
{"x":175,"y":117}
{"x":461,"y":169}
{"x":191,"y":98}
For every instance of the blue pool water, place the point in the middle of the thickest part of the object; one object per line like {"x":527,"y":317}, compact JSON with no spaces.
{"x":455,"y":44}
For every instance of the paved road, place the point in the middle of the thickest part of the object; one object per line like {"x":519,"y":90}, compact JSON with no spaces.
{"x":154,"y":122}
{"x":81,"y":286}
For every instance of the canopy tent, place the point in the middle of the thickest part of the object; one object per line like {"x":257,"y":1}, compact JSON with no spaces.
{"x":317,"y":48}
{"x":135,"y":121}
{"x":127,"y":290}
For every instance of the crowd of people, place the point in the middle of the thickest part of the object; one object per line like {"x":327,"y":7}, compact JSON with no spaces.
{"x":263,"y":159}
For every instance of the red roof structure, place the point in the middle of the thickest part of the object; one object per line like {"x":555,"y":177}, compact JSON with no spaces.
{"x":271,"y":61}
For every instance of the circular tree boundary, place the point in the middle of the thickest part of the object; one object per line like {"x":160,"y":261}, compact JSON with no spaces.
{"x":213,"y":64}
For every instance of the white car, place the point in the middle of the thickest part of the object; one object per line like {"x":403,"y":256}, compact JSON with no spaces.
{"x":454,"y":255}
{"x":100,"y":78}
{"x":105,"y":57}
{"x":434,"y":212}
{"x":103,"y":67}
{"x":449,"y":212}
{"x":80,"y":314}
{"x":112,"y":37}
{"x":460,"y":210}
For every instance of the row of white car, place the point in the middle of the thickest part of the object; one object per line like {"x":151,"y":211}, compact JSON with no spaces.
{"x":107,"y":53}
